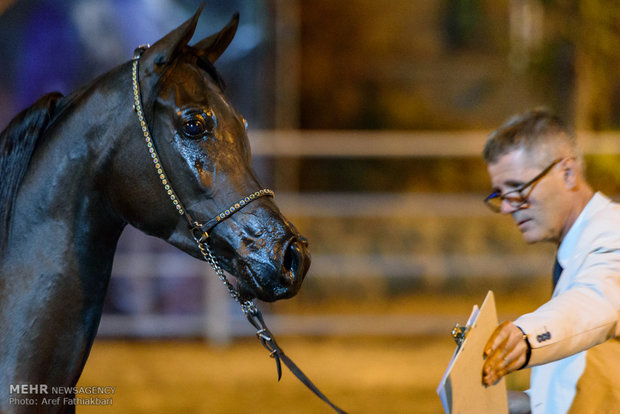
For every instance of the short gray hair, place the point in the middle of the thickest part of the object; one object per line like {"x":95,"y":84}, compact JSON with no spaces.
{"x":536,"y":131}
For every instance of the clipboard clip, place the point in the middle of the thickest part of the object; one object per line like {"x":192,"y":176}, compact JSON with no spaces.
{"x":459,"y":333}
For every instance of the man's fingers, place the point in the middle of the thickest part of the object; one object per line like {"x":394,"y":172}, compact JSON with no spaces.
{"x":505,"y":352}
{"x":514,"y":360}
{"x":496,"y":338}
{"x":505,"y":366}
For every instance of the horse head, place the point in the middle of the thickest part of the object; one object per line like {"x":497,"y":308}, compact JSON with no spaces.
{"x":202,"y":145}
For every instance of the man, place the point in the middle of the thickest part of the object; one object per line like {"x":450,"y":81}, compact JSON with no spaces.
{"x":572,"y":341}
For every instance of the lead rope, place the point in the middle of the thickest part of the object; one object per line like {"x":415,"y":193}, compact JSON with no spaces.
{"x":255,"y":317}
{"x":200,"y":232}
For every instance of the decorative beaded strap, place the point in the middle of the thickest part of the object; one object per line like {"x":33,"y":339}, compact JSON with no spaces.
{"x":236,"y":207}
{"x":137,"y":106}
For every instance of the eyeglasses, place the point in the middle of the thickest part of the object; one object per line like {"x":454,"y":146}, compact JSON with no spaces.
{"x":516,"y":198}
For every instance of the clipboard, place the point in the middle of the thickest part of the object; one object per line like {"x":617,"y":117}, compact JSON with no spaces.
{"x":461,"y":390}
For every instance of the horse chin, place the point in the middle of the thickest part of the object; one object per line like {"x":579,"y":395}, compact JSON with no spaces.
{"x":250,"y":287}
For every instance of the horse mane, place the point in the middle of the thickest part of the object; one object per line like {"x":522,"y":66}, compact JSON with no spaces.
{"x":17,"y":143}
{"x":194,"y":57}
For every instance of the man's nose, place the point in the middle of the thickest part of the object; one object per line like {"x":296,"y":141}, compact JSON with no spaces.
{"x":507,"y":208}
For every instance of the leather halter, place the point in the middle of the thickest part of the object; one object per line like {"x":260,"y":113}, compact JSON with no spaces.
{"x":200,"y":232}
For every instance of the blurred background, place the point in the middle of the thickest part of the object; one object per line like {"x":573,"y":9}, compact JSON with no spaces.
{"x":368,"y":119}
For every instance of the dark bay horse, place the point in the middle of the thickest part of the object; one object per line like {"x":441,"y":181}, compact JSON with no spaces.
{"x":75,"y":170}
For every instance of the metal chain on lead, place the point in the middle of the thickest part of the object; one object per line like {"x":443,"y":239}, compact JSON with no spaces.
{"x":247,"y":306}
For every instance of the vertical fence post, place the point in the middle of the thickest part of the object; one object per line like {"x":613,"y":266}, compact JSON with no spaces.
{"x":217,"y":317}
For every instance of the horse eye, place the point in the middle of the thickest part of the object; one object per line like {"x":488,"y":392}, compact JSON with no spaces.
{"x":197,"y":125}
{"x":193,"y":128}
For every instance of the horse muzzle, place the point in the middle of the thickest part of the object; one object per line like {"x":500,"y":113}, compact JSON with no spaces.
{"x":255,"y":243}
{"x":278,"y":277}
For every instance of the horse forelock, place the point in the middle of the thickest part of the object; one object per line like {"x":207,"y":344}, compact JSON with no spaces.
{"x":17,"y":143}
{"x":206,"y":65}
{"x":191,"y":56}
{"x":194,"y":57}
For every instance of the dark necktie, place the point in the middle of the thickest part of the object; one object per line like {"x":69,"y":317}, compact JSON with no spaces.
{"x":557,"y":271}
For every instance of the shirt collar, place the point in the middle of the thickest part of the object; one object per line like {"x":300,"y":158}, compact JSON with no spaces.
{"x":568,"y":245}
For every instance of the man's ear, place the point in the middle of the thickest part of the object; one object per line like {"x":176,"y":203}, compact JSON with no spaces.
{"x":571,"y":170}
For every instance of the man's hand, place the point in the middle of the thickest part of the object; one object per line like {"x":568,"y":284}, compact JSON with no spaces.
{"x":505,"y":352}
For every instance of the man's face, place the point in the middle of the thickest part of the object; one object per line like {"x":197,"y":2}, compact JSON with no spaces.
{"x":543,"y":215}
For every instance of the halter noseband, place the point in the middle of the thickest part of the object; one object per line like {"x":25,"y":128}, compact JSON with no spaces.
{"x":200,"y":232}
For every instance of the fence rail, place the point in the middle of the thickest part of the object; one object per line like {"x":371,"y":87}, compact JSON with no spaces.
{"x":383,"y":144}
{"x":221,"y":320}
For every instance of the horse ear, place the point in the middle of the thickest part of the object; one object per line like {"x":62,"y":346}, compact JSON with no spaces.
{"x":213,"y":46}
{"x":166,"y":48}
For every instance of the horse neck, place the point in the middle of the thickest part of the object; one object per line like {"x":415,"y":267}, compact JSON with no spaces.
{"x":62,"y":195}
{"x":56,"y":266}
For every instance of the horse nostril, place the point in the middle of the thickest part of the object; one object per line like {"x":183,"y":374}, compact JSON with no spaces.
{"x":293,"y":259}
